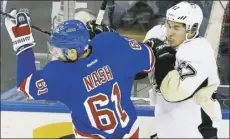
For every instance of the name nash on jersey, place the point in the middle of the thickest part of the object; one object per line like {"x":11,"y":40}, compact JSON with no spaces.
{"x":98,"y":77}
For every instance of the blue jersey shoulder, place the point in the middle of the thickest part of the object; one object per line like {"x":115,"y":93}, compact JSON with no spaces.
{"x":111,"y":44}
{"x":106,"y":39}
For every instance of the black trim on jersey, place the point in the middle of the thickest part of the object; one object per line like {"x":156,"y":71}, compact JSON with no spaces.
{"x":192,"y":71}
{"x":154,"y":136}
{"x":205,"y":128}
{"x":204,"y":83}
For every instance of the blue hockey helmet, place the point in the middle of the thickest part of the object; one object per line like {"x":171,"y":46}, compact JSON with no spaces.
{"x":71,"y":34}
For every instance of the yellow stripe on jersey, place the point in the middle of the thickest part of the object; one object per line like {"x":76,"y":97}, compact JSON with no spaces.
{"x":171,"y":89}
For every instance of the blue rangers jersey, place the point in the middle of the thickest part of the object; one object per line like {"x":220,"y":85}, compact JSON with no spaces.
{"x":96,"y":89}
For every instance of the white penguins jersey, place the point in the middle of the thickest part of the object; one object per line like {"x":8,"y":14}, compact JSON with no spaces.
{"x":195,"y":63}
{"x":195,"y":67}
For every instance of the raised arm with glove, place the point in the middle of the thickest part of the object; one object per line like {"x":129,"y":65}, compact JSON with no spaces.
{"x":20,"y":33}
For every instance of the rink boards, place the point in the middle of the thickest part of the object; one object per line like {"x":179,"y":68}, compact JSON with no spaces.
{"x":52,"y":120}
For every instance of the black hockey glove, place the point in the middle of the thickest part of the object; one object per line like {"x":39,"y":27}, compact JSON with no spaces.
{"x":165,"y":62}
{"x":156,"y":45}
{"x":95,"y":29}
{"x":165,"y":58}
{"x":140,"y":76}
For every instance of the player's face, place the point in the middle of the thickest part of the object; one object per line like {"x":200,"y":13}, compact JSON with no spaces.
{"x":175,"y":33}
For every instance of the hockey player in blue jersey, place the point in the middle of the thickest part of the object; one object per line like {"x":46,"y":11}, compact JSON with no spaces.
{"x":93,"y":79}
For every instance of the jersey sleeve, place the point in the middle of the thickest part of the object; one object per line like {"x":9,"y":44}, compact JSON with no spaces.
{"x":128,"y":54}
{"x":41,"y":85}
{"x":157,"y":32}
{"x":182,"y":83}
{"x":139,"y":57}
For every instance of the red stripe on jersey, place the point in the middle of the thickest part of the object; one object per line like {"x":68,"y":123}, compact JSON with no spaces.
{"x":23,"y":87}
{"x":95,"y":136}
{"x":135,"y":135}
{"x":152,"y":59}
{"x":21,"y":31}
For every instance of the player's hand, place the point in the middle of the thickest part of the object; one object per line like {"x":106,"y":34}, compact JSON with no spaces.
{"x":155,"y":44}
{"x":161,"y":49}
{"x":165,"y":62}
{"x":140,"y":76}
{"x":95,"y":29}
{"x":20,"y":31}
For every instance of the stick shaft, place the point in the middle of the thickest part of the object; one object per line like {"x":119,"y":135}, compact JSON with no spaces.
{"x":101,"y":12}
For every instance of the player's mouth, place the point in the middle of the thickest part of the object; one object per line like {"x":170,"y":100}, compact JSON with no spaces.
{"x":170,"y":41}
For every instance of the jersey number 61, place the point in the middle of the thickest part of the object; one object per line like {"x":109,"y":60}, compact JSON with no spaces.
{"x":97,"y":115}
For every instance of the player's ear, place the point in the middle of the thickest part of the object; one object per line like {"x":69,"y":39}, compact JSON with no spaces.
{"x":72,"y":54}
{"x":85,"y":54}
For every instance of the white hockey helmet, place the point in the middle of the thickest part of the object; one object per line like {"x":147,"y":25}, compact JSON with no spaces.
{"x":84,"y":15}
{"x":188,"y":13}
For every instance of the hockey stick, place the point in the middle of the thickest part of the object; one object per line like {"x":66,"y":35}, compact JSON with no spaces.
{"x":111,"y":8}
{"x":98,"y":20}
{"x":101,"y":12}
{"x":32,"y":26}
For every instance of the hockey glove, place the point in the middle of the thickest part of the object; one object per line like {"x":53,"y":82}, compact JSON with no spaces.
{"x":95,"y":29}
{"x":153,"y":43}
{"x":165,"y":58}
{"x":20,"y":31}
{"x":140,"y":76}
{"x":165,"y":62}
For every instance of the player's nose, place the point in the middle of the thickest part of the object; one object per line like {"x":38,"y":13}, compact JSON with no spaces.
{"x":170,"y":32}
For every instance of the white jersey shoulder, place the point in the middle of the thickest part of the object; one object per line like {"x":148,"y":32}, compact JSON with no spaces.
{"x":198,"y":49}
{"x":158,"y":32}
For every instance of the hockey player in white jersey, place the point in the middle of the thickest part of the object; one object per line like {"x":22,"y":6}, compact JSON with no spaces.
{"x":186,"y":106}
